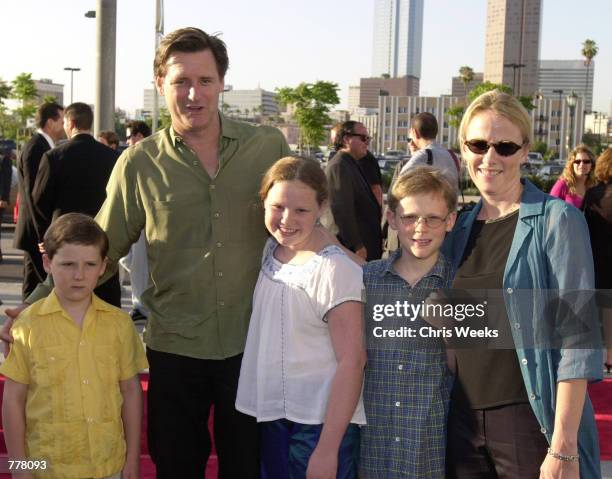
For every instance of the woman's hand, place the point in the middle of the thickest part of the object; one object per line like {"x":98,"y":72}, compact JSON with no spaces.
{"x":553,"y":468}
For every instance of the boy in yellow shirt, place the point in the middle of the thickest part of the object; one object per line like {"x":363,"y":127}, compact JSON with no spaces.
{"x":72,"y":399}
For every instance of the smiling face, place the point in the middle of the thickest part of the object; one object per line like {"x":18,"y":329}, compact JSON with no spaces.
{"x":582,"y":165}
{"x":420,"y":240}
{"x":291,"y":213}
{"x":191,"y":87}
{"x":75,"y":269}
{"x":494,"y":175}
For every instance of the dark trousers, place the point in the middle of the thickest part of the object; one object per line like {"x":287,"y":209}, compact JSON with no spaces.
{"x":33,"y":272}
{"x":181,"y":391}
{"x":503,"y":442}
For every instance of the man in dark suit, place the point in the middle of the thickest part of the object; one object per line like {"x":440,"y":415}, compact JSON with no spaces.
{"x":50,"y":129}
{"x":72,"y":179}
{"x":354,"y":207}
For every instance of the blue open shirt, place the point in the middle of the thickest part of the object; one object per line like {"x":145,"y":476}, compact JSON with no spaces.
{"x":542,"y":258}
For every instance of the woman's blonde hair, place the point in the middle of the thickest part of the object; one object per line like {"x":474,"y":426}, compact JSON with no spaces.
{"x":569,"y":175}
{"x":503,"y":104}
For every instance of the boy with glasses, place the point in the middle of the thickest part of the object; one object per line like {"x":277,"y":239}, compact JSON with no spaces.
{"x":406,"y":391}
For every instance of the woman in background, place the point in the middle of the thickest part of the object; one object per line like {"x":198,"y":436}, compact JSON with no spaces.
{"x":577,"y":177}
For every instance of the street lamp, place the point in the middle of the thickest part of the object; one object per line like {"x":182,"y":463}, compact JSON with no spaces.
{"x":560,"y":93}
{"x":571,"y":103}
{"x":514,"y":66}
{"x":72,"y":70}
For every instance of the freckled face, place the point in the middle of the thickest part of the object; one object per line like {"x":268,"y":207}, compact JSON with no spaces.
{"x":291,"y":213}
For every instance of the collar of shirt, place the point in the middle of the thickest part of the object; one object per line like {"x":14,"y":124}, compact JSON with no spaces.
{"x":228,"y":130}
{"x":46,"y":137}
{"x":440,"y":269}
{"x":51,"y":305}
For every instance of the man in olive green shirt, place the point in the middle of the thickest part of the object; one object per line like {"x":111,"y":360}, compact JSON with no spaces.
{"x":193,"y":189}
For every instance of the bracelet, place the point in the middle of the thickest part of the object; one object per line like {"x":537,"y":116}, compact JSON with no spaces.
{"x":563,"y":457}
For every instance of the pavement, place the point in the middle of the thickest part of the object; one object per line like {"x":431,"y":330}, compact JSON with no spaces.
{"x":11,"y":270}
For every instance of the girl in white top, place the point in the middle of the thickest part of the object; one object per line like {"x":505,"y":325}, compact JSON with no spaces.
{"x":302,"y":369}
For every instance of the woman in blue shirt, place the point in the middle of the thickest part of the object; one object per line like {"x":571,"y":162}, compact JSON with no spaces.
{"x":537,"y":420}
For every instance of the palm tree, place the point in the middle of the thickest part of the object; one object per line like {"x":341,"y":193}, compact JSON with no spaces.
{"x":589,"y":50}
{"x":467,"y":75}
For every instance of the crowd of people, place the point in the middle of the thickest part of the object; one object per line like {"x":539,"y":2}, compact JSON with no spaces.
{"x":271,"y":294}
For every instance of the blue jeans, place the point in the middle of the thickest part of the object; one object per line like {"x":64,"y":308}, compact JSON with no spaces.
{"x":286,"y":447}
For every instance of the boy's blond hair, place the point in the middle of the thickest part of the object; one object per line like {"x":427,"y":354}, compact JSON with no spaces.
{"x":422,"y":180}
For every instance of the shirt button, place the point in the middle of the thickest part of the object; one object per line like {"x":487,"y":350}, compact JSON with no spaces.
{"x":195,"y":163}
{"x":517,"y":325}
{"x":398,"y":404}
{"x":220,"y":274}
{"x":216,"y":215}
{"x":397,"y":439}
{"x":400,"y":366}
{"x":52,"y":358}
{"x":219,"y":244}
{"x":543,"y":430}
{"x":510,"y":290}
{"x":212,"y":187}
{"x":532,"y":396}
{"x":89,"y":419}
{"x":524,"y":361}
{"x":221,"y":303}
{"x":85,"y":381}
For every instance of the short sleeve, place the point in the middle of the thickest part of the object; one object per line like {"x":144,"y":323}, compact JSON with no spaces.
{"x":17,"y":365}
{"x":132,"y":358}
{"x":340,"y":280}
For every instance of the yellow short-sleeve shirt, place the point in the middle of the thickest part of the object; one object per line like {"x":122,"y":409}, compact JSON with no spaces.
{"x":73,"y":404}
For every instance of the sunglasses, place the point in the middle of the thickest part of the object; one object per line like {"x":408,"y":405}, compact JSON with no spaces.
{"x":430,"y":221}
{"x":502,"y":148}
{"x":578,"y":162}
{"x":364,"y":138}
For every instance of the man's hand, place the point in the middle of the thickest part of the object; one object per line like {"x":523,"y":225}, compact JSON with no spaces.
{"x":322,"y":465}
{"x":5,"y":332}
{"x":362,"y":252}
{"x":553,"y":468}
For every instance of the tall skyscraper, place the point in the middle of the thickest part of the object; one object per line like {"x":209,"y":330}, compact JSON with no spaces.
{"x":512,"y":47}
{"x":566,"y":75}
{"x":398,"y":38}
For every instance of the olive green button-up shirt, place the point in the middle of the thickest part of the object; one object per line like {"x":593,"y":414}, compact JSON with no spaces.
{"x":204,"y":236}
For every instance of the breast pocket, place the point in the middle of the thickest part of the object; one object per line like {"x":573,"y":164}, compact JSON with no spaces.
{"x":178,"y":222}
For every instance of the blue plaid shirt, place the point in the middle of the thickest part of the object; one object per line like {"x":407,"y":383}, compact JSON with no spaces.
{"x":406,"y":391}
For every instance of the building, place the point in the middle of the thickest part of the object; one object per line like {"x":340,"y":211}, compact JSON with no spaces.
{"x":558,"y":124}
{"x":597,"y":123}
{"x":249,"y":103}
{"x":555,"y":123}
{"x":46,"y":88}
{"x":566,"y":75}
{"x":371,"y":88}
{"x":459,"y":89}
{"x":512,"y":46}
{"x":148,"y":102}
{"x":353,"y":97}
{"x":396,"y":112}
{"x":398,"y":38}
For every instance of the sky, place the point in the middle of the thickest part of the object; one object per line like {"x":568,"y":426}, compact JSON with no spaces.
{"x":276,"y":43}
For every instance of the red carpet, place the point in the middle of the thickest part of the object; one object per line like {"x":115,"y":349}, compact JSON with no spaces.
{"x":601,"y":396}
{"x":600,"y":393}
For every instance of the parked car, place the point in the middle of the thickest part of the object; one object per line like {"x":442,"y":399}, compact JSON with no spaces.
{"x":535,"y":158}
{"x":395,"y":154}
{"x":548,"y":172}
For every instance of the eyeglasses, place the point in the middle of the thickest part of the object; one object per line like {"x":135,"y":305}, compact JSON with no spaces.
{"x":430,"y":221}
{"x":502,"y":148}
{"x":364,"y":138}
{"x":586,"y":162}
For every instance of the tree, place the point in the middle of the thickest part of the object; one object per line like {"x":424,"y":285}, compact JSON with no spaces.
{"x":312,"y":103}
{"x":589,"y":50}
{"x":24,"y":89}
{"x":466,"y":74}
{"x":5,"y":91}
